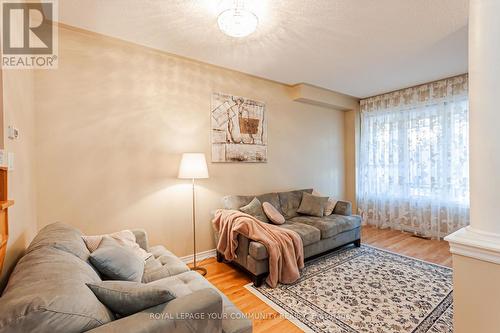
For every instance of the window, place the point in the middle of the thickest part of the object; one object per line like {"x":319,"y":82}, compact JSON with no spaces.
{"x":414,"y":159}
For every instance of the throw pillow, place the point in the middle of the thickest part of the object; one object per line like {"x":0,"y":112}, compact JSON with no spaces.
{"x":124,"y":238}
{"x":330,"y":204}
{"x":272,"y":213}
{"x":312,"y":205}
{"x":117,"y":262}
{"x":126,"y":298}
{"x":254,"y":208}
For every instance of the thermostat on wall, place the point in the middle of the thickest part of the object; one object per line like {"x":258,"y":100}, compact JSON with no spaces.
{"x":12,"y":133}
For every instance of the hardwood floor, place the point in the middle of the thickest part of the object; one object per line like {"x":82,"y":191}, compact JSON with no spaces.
{"x":230,"y":281}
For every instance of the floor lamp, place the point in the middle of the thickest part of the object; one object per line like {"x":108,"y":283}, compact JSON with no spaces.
{"x":194,"y":166}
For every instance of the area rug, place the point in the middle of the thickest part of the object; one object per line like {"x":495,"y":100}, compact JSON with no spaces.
{"x":366,"y":289}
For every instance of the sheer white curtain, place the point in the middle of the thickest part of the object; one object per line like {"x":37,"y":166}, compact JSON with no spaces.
{"x":414,"y":159}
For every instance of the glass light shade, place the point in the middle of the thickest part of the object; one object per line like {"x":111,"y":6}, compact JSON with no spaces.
{"x":237,"y":22}
{"x":193,"y":165}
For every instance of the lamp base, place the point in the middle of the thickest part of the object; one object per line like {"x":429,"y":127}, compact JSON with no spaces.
{"x":201,"y":270}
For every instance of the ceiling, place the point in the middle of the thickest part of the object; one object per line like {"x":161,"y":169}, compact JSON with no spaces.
{"x":357,"y":47}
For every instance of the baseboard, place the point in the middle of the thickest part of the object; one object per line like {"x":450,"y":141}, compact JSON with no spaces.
{"x":200,"y":256}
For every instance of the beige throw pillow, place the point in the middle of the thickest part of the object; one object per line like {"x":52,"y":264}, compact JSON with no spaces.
{"x":272,"y":213}
{"x":124,"y":238}
{"x":312,"y":205}
{"x":330,"y":204}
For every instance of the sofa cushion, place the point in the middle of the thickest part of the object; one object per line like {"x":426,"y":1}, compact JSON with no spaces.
{"x":290,"y":202}
{"x":237,"y":201}
{"x":343,"y":208}
{"x":125,"y":238}
{"x":162,"y":265}
{"x":312,"y":205}
{"x":141,"y":238}
{"x":151,"y":263}
{"x":117,"y":262}
{"x":330,"y":225}
{"x":330,"y":205}
{"x":126,"y":298}
{"x":254,"y":208}
{"x":61,"y":236}
{"x":307,"y":233}
{"x":234,"y":321}
{"x":272,"y":198}
{"x":47,"y":293}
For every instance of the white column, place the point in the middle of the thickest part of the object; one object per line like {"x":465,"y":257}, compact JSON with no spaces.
{"x":484,"y":96}
{"x":476,"y":248}
{"x":481,"y":240}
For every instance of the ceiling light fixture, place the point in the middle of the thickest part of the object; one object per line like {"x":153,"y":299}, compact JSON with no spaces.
{"x":237,"y":21}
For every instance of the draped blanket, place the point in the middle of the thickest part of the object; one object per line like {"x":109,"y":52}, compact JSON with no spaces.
{"x":285,"y":249}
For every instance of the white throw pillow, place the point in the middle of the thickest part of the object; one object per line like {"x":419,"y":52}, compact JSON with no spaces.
{"x":330,"y":204}
{"x":124,"y":238}
{"x":272,"y":213}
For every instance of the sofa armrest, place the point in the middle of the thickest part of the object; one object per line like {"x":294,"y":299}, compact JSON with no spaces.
{"x":343,"y":208}
{"x":141,"y":238}
{"x":200,"y":311}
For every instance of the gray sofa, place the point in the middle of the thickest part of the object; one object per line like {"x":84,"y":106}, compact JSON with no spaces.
{"x":319,"y":234}
{"x":47,"y":292}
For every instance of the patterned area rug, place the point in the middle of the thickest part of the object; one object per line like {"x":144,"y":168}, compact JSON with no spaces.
{"x":366,"y":290}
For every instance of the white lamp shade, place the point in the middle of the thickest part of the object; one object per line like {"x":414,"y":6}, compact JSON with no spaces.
{"x":193,"y":165}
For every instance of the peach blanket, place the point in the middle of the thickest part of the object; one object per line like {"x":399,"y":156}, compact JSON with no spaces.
{"x":286,"y":253}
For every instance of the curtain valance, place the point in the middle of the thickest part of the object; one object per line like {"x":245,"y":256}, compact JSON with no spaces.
{"x":423,"y":94}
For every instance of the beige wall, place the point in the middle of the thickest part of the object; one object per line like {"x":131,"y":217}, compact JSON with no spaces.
{"x":113,"y":120}
{"x":1,"y":108}
{"x":351,"y":141}
{"x":19,"y":112}
{"x":472,"y":281}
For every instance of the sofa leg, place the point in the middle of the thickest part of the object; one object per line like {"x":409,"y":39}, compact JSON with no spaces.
{"x":220,"y":257}
{"x":357,"y":242}
{"x":259,"y":279}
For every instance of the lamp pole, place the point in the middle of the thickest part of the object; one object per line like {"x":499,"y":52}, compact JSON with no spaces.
{"x":201,"y":270}
{"x":194,"y":166}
